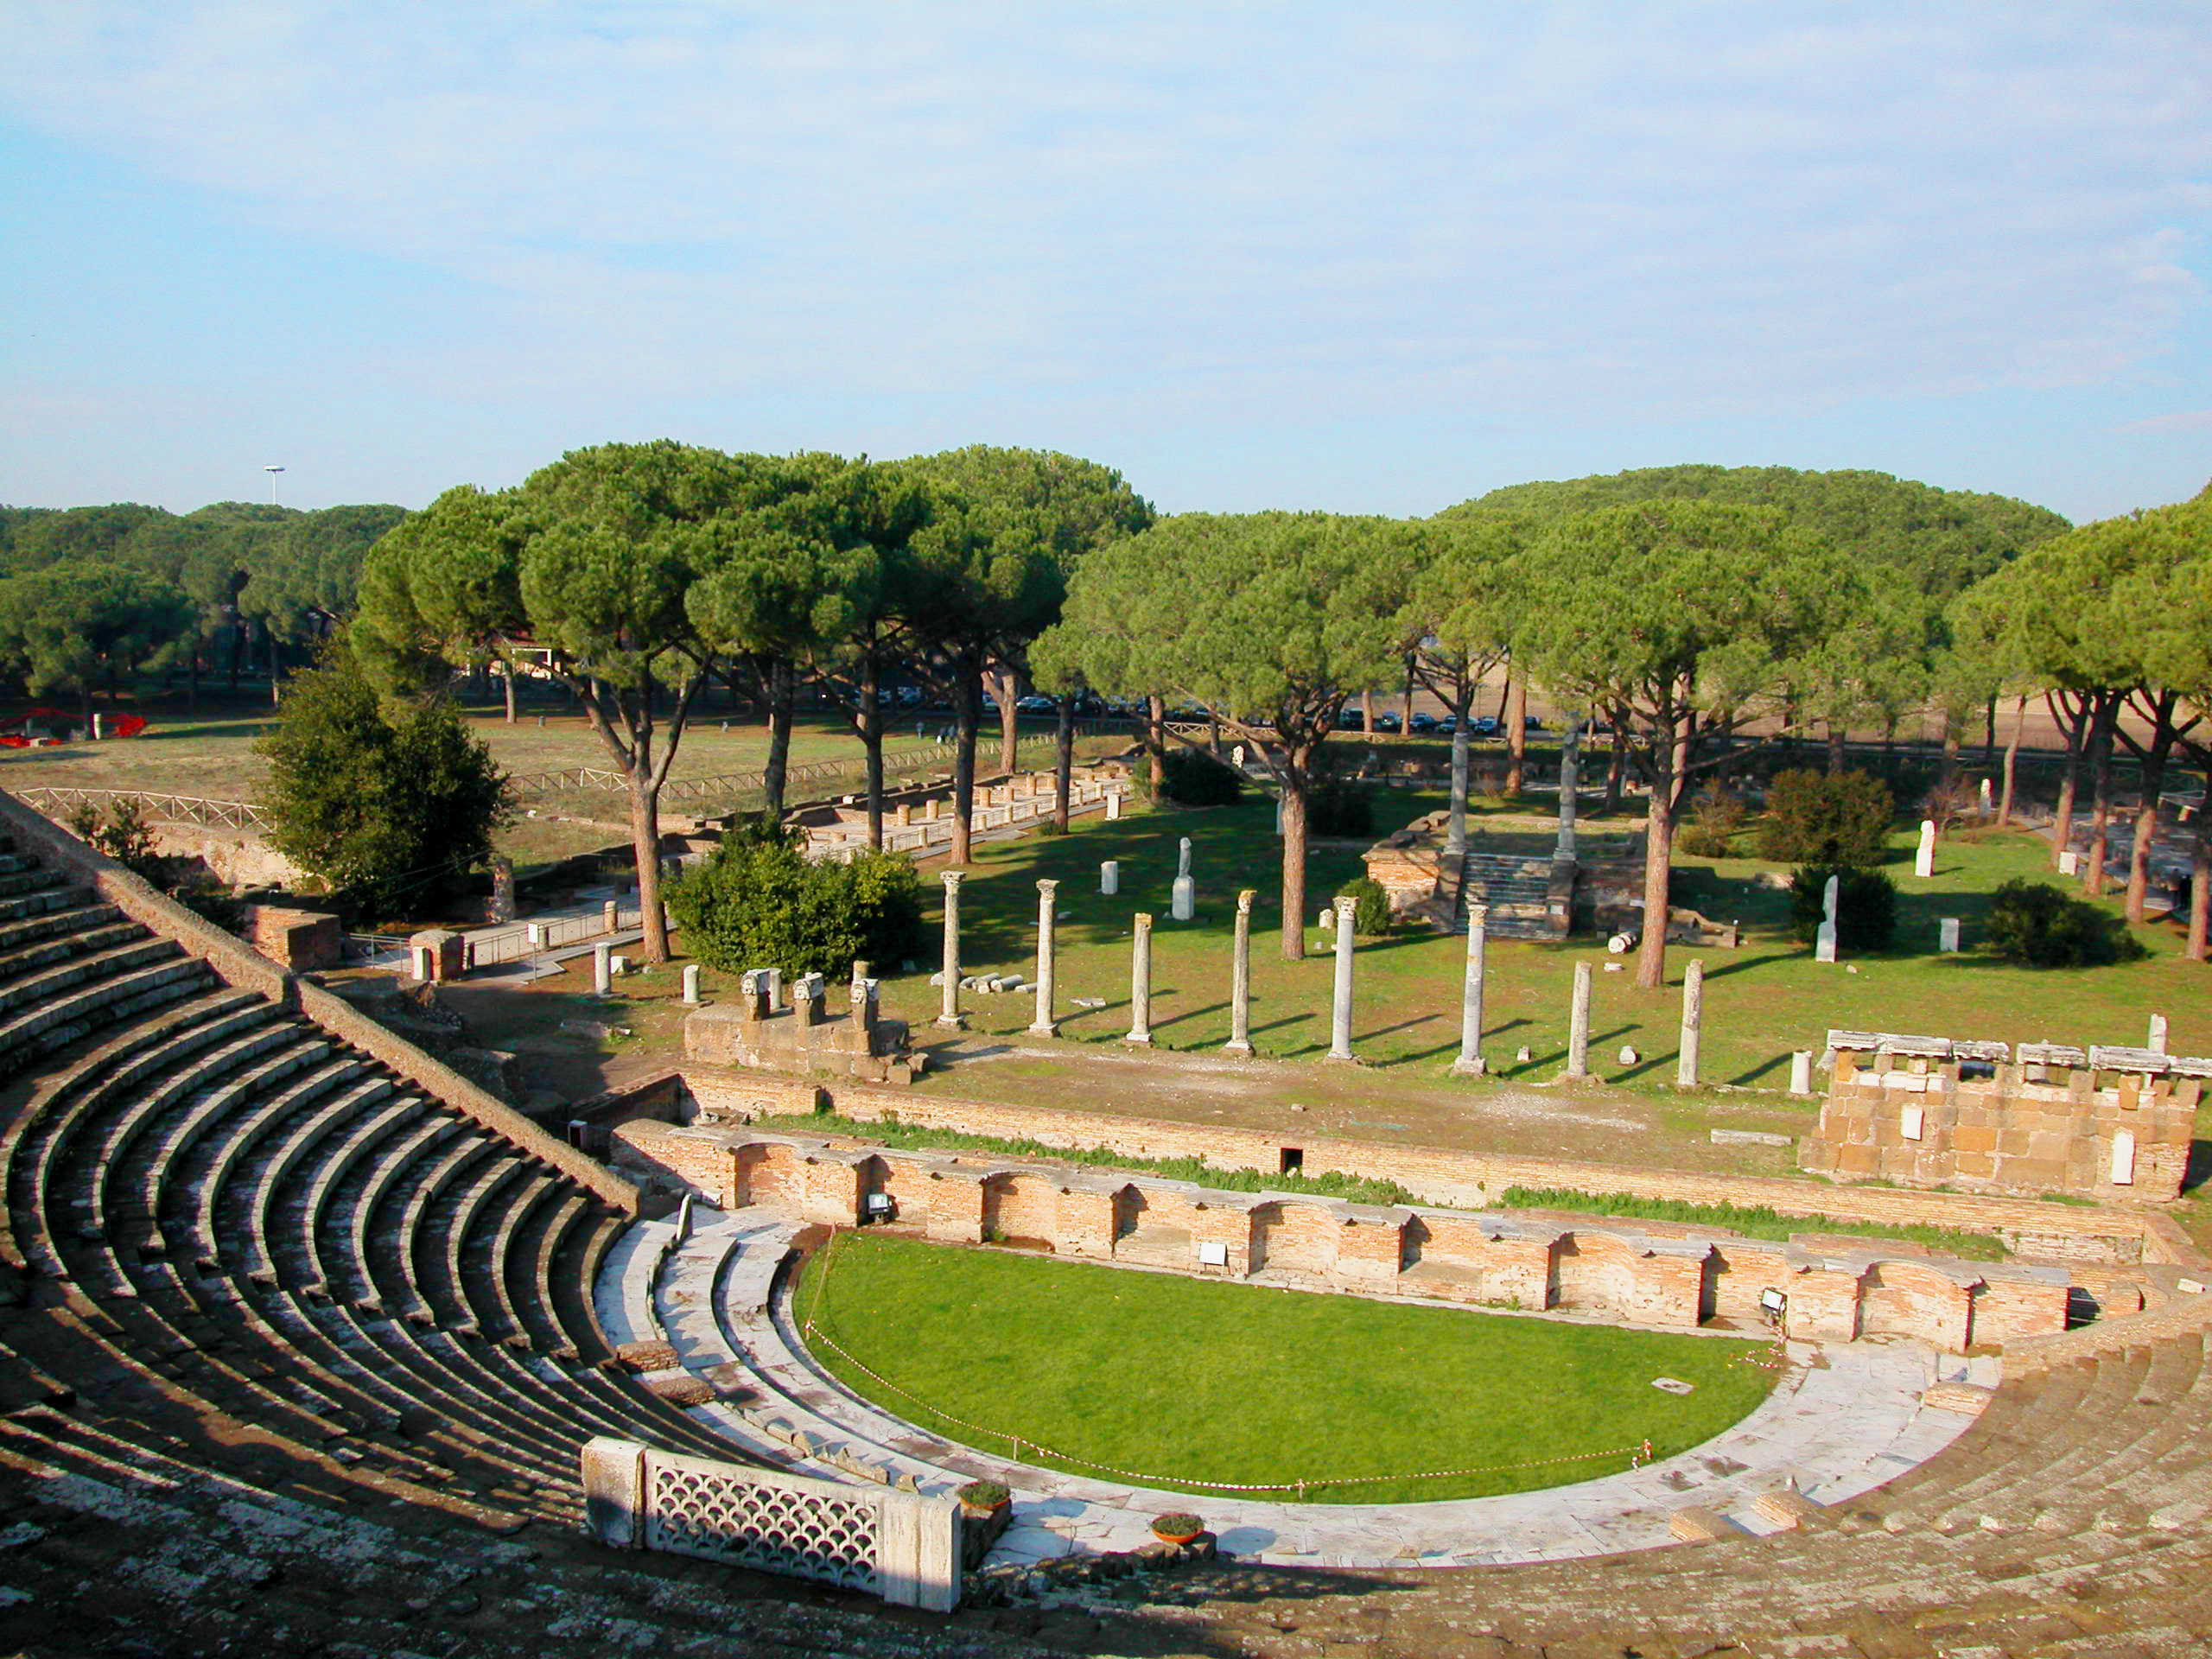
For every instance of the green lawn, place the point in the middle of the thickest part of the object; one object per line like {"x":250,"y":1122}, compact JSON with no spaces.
{"x":1179,"y":1380}
{"x":1762,"y":1002}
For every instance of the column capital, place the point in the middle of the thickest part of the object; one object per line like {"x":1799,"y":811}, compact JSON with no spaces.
{"x":1244,"y":901}
{"x":952,"y":879}
{"x":1047,"y":889}
{"x":1346,"y":904}
{"x":1477,"y":915}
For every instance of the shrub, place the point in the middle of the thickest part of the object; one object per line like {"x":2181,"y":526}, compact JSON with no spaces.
{"x":759,"y":902}
{"x":124,"y":834}
{"x":1192,"y":778}
{"x":1371,"y":916}
{"x":983,"y":1495}
{"x":1178,"y":1523}
{"x":2037,"y":925}
{"x":1716,"y":817}
{"x":1050,"y":826}
{"x":387,"y":802}
{"x":1340,"y":809}
{"x":1865,"y":906}
{"x":1839,"y":821}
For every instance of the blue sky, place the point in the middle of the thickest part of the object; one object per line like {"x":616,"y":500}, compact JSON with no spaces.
{"x":1376,"y":258}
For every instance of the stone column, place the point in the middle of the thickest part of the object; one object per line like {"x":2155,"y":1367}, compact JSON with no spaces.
{"x":1043,"y":1025}
{"x":1110,"y":877}
{"x":1340,"y":1010}
{"x":1801,"y":1072}
{"x":1141,"y":984}
{"x":1693,"y":1024}
{"x":1924,"y":863}
{"x":949,"y":1015}
{"x":691,"y":985}
{"x":1470,"y":1062}
{"x":610,"y":917}
{"x":1578,"y":1025}
{"x":1824,"y":934}
{"x":1240,"y":980}
{"x":2157,"y":1043}
{"x":602,"y":968}
{"x":1183,"y":896}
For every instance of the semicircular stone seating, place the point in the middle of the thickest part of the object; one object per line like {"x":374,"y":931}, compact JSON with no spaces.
{"x":295,"y":1350}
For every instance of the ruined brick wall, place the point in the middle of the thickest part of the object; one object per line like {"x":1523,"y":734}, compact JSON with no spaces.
{"x":1443,"y":1175}
{"x":2026,"y":1131}
{"x":1679,"y":1278}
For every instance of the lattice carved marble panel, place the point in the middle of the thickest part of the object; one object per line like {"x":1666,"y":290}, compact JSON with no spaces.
{"x":806,"y":1535}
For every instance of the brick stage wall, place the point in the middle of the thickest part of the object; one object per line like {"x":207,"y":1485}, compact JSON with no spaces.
{"x":1679,"y":1278}
{"x":1442,"y":1175}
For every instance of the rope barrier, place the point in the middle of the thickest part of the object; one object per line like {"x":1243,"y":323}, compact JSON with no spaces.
{"x":1637,"y":1455}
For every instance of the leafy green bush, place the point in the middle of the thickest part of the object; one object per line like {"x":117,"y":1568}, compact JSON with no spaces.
{"x":984,"y":1494}
{"x":1178,"y":1523}
{"x":124,"y":834}
{"x":1715,"y":817}
{"x":1370,"y":918}
{"x":1191,"y":778}
{"x":385,"y":801}
{"x":1340,"y":809}
{"x":2037,"y":925}
{"x":1865,"y":906}
{"x":1839,"y":821}
{"x":759,"y":902}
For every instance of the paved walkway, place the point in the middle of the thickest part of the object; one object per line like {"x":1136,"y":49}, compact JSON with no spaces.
{"x":1841,"y":1420}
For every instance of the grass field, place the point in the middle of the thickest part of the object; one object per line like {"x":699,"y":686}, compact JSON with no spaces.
{"x":1762,"y":1001}
{"x":1180,"y":1381}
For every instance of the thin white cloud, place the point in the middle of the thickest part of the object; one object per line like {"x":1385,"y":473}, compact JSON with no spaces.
{"x":2195,"y":420}
{"x":1555,"y":212}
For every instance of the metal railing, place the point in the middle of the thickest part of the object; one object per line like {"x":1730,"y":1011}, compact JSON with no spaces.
{"x":57,"y":803}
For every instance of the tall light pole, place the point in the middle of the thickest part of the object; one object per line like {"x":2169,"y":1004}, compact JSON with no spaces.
{"x":272,"y":471}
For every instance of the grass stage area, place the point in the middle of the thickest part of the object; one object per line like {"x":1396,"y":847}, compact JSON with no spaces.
{"x":1182,"y":1380}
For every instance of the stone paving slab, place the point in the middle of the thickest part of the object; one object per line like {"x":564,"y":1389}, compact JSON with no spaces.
{"x":1841,"y":1420}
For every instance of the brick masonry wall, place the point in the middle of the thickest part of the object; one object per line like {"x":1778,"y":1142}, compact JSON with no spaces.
{"x":1614,"y":1271}
{"x":1444,"y":1175}
{"x":1919,"y":1125}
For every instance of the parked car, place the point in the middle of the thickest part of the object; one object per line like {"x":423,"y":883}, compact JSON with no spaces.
{"x":1035,"y":703}
{"x":1532,"y":724}
{"x":1482,"y":726}
{"x":1422,"y":723}
{"x":1386,"y":722}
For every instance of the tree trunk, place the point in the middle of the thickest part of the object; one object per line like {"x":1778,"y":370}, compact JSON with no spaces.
{"x":2011,"y":763}
{"x":1456,"y":832}
{"x":276,"y":685}
{"x":967,"y":702}
{"x":1367,"y":712}
{"x":1213,"y":734}
{"x":1658,"y":866}
{"x":782,"y":692}
{"x":871,"y":729}
{"x":1516,"y":734}
{"x":1063,"y":758}
{"x":2100,"y":743}
{"x":1989,"y":733}
{"x":1835,"y":749}
{"x":2200,"y":878}
{"x":507,"y":680}
{"x":645,"y":841}
{"x":191,"y":679}
{"x":1615,"y":773}
{"x":2153,"y":764}
{"x":2061,"y":827}
{"x":1156,"y":737}
{"x":1406,"y":702}
{"x":1009,"y":720}
{"x":1949,"y":775}
{"x":237,"y":650}
{"x":1293,"y":858}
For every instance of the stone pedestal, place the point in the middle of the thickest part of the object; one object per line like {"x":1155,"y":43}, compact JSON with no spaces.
{"x":2156,"y":1042}
{"x":610,"y":917}
{"x":1947,"y":934}
{"x":1110,"y":878}
{"x":602,"y":968}
{"x":1240,"y":980}
{"x":503,"y":890}
{"x":1801,"y":1072}
{"x":437,"y":953}
{"x":691,"y":985}
{"x":1183,"y":900}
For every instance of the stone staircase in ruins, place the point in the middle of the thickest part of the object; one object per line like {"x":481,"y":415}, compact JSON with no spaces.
{"x":297,"y":1352}
{"x":1514,"y":885}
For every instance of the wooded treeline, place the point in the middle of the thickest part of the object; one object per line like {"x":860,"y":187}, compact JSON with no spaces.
{"x":91,"y":596}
